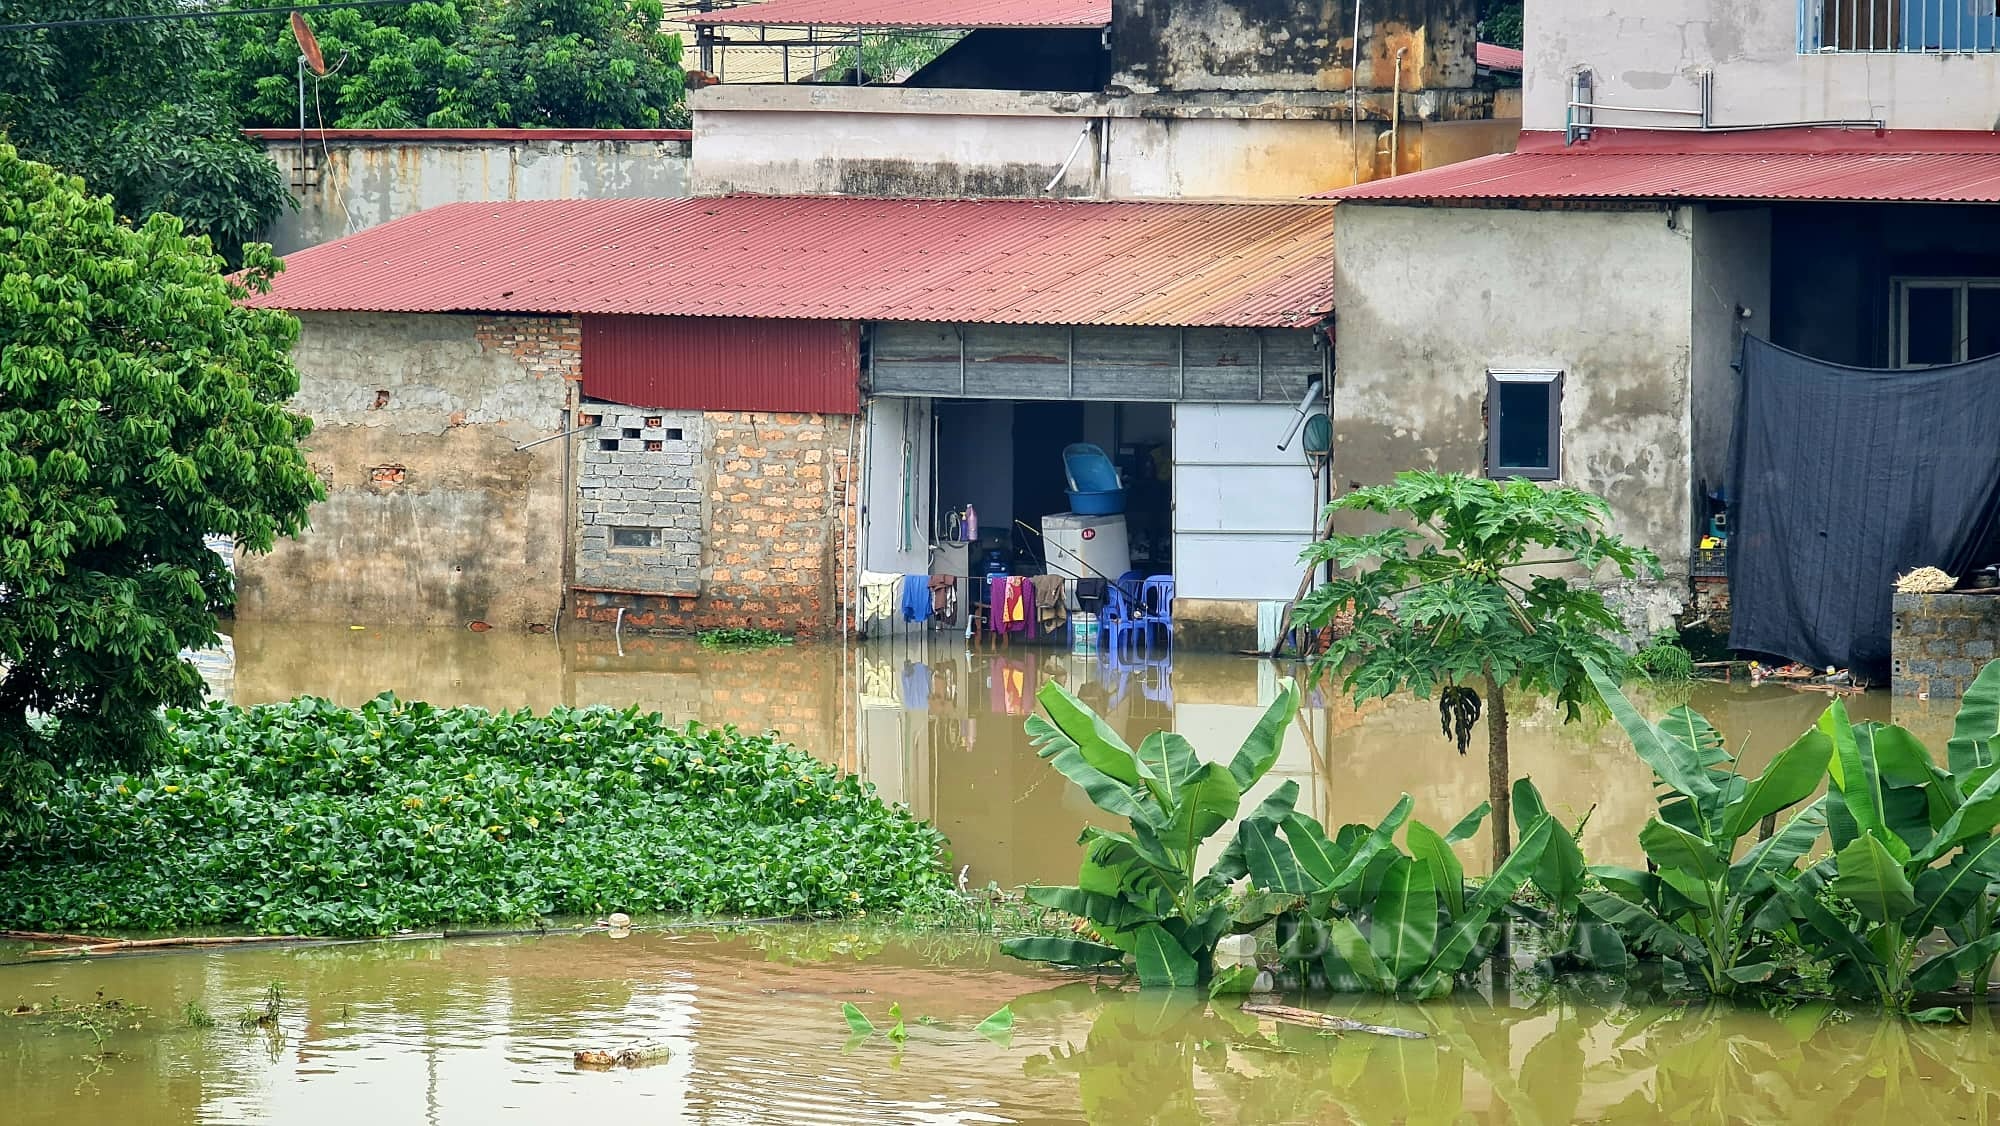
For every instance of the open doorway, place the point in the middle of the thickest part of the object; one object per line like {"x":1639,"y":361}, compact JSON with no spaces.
{"x":1005,"y":460}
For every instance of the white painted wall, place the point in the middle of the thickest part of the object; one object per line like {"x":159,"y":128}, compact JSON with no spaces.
{"x":1242,"y":510}
{"x":886,"y":521}
{"x":1651,"y":53}
{"x":1732,"y":272}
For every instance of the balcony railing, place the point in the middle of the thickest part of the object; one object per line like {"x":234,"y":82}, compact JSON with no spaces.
{"x":1915,"y":27}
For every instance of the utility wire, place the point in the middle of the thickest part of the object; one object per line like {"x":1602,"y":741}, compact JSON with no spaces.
{"x":205,"y":14}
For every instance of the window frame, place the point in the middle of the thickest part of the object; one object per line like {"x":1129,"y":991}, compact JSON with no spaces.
{"x":1496,"y":378}
{"x":1899,"y":314}
{"x":653,"y":538}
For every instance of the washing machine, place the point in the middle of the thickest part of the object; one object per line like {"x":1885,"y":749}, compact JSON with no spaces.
{"x":1086,"y":547}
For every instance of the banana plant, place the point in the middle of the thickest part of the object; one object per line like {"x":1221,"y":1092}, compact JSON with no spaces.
{"x":1140,"y":888}
{"x":1378,"y":918}
{"x":1702,"y":905}
{"x":1971,"y":755}
{"x":1915,"y":853}
{"x":1574,"y":933}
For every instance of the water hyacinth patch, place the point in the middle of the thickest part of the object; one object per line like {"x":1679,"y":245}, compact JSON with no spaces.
{"x":307,"y":817}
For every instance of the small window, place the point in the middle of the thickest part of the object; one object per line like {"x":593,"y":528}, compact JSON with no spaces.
{"x":1945,"y":320}
{"x":608,"y":445}
{"x":635,"y":537}
{"x":631,"y":432}
{"x":1524,"y":424}
{"x":673,"y":434}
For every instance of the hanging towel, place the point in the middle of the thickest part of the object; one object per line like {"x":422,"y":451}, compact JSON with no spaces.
{"x":916,"y":598}
{"x":1051,"y":611}
{"x":996,"y":604}
{"x":1016,"y":598}
{"x":878,"y":596}
{"x":944,"y":598}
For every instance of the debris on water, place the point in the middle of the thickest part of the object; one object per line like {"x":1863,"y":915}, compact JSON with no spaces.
{"x":637,"y":1055}
{"x":1310,"y":1019}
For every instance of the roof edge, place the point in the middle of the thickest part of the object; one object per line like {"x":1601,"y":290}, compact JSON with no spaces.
{"x":419,"y":136}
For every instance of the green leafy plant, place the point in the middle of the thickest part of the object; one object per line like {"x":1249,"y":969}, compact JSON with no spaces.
{"x":1460,"y":600}
{"x":130,"y":427}
{"x":1375,"y":917}
{"x":737,"y":637}
{"x":1914,"y":853}
{"x":1700,"y":904}
{"x":309,"y":818}
{"x":123,"y":105}
{"x":586,"y":64}
{"x":1663,"y":659}
{"x":1140,"y":888}
{"x":1574,"y":932}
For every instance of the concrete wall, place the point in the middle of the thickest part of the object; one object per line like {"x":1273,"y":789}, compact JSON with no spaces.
{"x":640,"y":475}
{"x":1429,"y":298}
{"x":1939,"y":642}
{"x":1291,"y":44}
{"x":886,"y":525}
{"x":433,"y":517}
{"x":1651,"y":54}
{"x":356,"y":179}
{"x":1732,"y":297}
{"x":986,"y":143}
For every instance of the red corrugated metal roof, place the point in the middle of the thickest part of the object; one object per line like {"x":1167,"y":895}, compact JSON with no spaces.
{"x":916,"y":13}
{"x":1916,"y":166}
{"x":1493,"y":56}
{"x":998,"y":261}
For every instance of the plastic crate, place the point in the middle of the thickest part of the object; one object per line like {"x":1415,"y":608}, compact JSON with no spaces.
{"x":1711,"y":563}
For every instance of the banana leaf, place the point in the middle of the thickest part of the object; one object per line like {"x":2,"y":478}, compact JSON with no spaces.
{"x":1447,"y":874}
{"x":1061,"y":951}
{"x":1872,"y":879}
{"x":1170,"y":758}
{"x":1976,"y":731}
{"x":1777,"y":855}
{"x":1677,"y":764}
{"x":1353,"y":948}
{"x":1791,"y":778}
{"x":1105,"y":791}
{"x":1468,"y":825}
{"x":1261,"y":747}
{"x":1161,"y":959}
{"x":1560,"y":874}
{"x":1272,"y":864}
{"x":1677,"y":849}
{"x":1403,"y":919}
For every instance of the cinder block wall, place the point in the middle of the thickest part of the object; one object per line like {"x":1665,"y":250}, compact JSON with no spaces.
{"x":1939,"y":642}
{"x":775,"y":531}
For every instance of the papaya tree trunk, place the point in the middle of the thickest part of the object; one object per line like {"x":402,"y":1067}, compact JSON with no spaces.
{"x":1499,"y":780}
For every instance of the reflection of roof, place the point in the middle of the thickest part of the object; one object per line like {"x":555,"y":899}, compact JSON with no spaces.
{"x":837,"y":258}
{"x":916,"y":13}
{"x":1493,"y":56}
{"x":1906,"y":165}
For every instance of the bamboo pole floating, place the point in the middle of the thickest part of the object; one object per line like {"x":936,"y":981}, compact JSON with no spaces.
{"x":46,"y":936}
{"x":1327,"y":1022}
{"x":101,"y":947}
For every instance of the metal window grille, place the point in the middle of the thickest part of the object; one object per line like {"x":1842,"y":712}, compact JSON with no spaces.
{"x":1899,"y":26}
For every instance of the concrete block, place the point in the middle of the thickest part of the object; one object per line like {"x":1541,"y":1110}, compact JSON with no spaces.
{"x":1979,"y":648}
{"x":1923,"y":668}
{"x":1957,"y":627}
{"x":1903,"y":602}
{"x":1957,"y":668}
{"x":1945,"y":688}
{"x":1918,"y":626}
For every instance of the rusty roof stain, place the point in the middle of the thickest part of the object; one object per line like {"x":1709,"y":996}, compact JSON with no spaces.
{"x":999,"y":261}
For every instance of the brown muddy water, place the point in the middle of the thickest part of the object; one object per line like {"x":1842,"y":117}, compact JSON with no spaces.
{"x":482,"y":1030}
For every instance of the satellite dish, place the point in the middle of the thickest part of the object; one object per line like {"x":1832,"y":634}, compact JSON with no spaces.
{"x":308,"y":44}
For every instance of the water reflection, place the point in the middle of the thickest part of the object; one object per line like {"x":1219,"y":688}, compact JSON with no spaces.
{"x":940,"y":727}
{"x":479,"y":1031}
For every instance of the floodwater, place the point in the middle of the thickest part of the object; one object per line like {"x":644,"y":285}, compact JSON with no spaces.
{"x":482,"y":1029}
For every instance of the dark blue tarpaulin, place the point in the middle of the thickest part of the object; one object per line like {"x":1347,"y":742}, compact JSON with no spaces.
{"x":1840,"y":479}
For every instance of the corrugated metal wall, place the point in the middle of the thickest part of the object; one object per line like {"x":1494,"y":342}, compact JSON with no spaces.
{"x":1115,"y":362}
{"x":723,"y":363}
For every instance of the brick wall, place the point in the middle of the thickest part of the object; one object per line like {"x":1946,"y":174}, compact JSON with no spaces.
{"x":1939,"y":642}
{"x":776,"y":536}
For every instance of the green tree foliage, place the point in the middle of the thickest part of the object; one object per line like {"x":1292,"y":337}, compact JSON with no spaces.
{"x":1461,"y":597}
{"x":586,"y":64}
{"x":306,"y":817}
{"x":125,"y":107}
{"x":140,"y":408}
{"x":1500,"y":22}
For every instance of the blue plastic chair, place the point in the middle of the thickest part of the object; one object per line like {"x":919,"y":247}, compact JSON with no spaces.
{"x":1156,"y":603}
{"x":1122,"y":620}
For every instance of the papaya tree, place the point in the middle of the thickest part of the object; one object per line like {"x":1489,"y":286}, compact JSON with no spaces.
{"x":1460,"y":597}
{"x":141,"y":410}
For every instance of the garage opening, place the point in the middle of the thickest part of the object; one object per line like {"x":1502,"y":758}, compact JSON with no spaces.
{"x":1004,"y":462}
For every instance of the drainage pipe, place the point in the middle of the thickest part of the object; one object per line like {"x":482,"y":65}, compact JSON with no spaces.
{"x":1067,"y":161}
{"x":1396,"y":114}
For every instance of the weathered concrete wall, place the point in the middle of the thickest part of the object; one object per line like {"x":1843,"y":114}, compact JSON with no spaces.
{"x":1939,"y":642}
{"x":1652,"y":54}
{"x":356,"y":179}
{"x":986,"y":143}
{"x":1732,"y":297}
{"x":433,"y":517}
{"x":1291,"y":44}
{"x":777,"y":538}
{"x":1429,"y":299}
